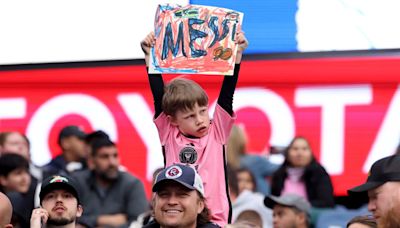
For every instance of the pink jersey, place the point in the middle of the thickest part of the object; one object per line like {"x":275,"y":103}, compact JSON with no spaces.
{"x":206,"y":154}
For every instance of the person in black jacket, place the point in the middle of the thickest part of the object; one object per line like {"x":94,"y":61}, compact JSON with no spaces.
{"x":302,"y":174}
{"x":71,"y":140}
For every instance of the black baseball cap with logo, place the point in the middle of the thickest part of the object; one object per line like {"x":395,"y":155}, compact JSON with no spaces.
{"x":382,"y":171}
{"x":59,"y":182}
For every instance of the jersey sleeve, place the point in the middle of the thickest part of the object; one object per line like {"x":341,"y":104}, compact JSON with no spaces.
{"x":222,"y":122}
{"x":163,"y":127}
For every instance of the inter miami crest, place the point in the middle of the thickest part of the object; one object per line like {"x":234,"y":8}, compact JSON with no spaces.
{"x":188,"y":155}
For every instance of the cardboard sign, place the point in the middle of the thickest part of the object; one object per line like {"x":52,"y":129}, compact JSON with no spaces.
{"x":195,"y":40}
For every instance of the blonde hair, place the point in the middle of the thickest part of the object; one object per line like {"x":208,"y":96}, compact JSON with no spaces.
{"x":236,"y":146}
{"x":182,"y":94}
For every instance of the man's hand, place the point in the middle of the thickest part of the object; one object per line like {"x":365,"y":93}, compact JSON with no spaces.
{"x":241,"y":41}
{"x":146,"y":44}
{"x":39,"y":216}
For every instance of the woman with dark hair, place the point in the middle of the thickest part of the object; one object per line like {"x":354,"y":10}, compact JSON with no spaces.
{"x":246,"y":180}
{"x":301,"y":174}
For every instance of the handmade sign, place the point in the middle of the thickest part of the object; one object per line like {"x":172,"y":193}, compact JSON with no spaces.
{"x":195,"y":40}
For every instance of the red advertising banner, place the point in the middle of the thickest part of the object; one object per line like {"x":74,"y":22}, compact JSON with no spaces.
{"x":347,"y":107}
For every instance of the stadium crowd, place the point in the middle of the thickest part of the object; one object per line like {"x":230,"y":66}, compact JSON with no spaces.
{"x":301,"y":194}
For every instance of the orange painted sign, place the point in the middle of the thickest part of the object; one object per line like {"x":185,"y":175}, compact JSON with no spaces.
{"x":195,"y":40}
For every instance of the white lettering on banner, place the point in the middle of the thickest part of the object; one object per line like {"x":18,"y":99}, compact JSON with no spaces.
{"x":388,"y":135}
{"x":273,"y":107}
{"x":141,"y":117}
{"x":12,"y":108}
{"x":48,"y":113}
{"x":333,"y":100}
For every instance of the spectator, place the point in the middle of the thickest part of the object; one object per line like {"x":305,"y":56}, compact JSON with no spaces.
{"x":383,"y":188}
{"x":16,"y":183}
{"x":247,"y":200}
{"x":249,"y":218}
{"x":289,"y":211}
{"x":14,"y":174}
{"x":6,"y":211}
{"x":260,"y":166}
{"x":92,"y":137}
{"x":73,"y":156}
{"x":236,"y":146}
{"x":366,"y":221}
{"x":179,"y":199}
{"x":17,"y":143}
{"x":301,"y":174}
{"x":111,"y":197}
{"x":14,"y":142}
{"x":186,"y":133}
{"x":60,"y":204}
{"x":245,"y":180}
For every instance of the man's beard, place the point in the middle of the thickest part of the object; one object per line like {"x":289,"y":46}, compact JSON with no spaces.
{"x":60,"y":221}
{"x":390,"y":219}
{"x":109,"y":176}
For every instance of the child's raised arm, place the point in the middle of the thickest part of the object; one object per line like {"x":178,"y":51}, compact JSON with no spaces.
{"x":155,"y":80}
{"x":146,"y":45}
{"x":225,"y":98}
{"x":242,"y":45}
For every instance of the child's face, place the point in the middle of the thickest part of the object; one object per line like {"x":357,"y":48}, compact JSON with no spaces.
{"x":245,"y":181}
{"x":17,"y":180}
{"x":193,"y":122}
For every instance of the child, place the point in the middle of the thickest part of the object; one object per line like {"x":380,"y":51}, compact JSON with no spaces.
{"x":17,"y":184}
{"x":14,"y":173}
{"x":188,"y":136}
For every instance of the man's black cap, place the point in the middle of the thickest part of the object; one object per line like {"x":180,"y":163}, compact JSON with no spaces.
{"x":382,"y":171}
{"x":59,"y":182}
{"x":71,"y":130}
